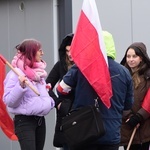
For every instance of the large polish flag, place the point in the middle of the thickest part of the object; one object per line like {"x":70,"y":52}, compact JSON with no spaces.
{"x":88,"y":51}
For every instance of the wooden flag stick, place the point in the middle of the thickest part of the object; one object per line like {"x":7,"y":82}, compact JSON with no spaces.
{"x":15,"y":71}
{"x":132,"y":136}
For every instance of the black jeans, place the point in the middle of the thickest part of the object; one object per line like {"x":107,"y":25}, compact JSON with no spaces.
{"x":98,"y":147}
{"x":30,"y":131}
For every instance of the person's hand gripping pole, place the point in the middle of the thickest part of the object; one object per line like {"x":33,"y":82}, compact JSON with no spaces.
{"x":15,"y":71}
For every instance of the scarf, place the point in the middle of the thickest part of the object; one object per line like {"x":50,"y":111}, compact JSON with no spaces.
{"x":35,"y":73}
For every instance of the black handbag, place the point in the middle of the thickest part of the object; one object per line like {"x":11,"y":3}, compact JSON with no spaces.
{"x":82,"y":125}
{"x":58,"y":139}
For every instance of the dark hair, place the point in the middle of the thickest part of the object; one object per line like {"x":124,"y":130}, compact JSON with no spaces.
{"x":65,"y":42}
{"x":143,"y":66}
{"x":28,"y":49}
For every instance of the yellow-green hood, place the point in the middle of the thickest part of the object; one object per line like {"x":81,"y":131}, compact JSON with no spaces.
{"x":109,"y":44}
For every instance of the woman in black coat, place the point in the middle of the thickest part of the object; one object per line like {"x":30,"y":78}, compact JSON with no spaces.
{"x":56,"y":74}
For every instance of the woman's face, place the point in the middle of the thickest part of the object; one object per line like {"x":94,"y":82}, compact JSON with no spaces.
{"x":68,"y":53}
{"x":39,"y":55}
{"x":132,"y":59}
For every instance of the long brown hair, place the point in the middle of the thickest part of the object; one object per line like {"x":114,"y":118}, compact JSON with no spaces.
{"x":142,"y":68}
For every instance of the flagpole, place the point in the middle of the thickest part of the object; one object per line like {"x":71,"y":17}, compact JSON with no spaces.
{"x":15,"y":71}
{"x":132,"y":136}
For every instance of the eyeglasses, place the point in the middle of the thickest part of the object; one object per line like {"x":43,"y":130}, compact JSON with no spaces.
{"x":40,"y":50}
{"x":17,"y":46}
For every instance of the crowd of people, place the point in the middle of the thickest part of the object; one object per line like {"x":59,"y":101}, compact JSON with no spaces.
{"x":130,"y":81}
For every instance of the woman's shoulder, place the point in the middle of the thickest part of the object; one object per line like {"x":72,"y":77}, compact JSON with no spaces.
{"x":57,"y":64}
{"x":15,"y":72}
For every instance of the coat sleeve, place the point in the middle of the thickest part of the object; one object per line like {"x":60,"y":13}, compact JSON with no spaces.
{"x":13,"y":92}
{"x":129,"y":95}
{"x":53,"y":78}
{"x":69,"y":81}
{"x":54,"y":75}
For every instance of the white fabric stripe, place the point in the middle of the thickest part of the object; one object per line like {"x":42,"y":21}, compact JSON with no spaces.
{"x":66,"y":88}
{"x":90,"y":9}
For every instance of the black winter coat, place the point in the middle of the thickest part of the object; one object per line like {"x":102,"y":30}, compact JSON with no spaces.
{"x":56,"y":75}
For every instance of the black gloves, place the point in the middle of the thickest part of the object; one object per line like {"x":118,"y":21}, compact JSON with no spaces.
{"x":65,"y":107}
{"x":134,"y":120}
{"x":55,"y":98}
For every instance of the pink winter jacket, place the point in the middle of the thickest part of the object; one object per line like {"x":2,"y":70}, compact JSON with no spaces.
{"x":25,"y":101}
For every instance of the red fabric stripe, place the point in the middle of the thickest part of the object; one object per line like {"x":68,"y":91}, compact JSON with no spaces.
{"x":6,"y":123}
{"x":87,"y":55}
{"x":146,"y":102}
{"x":60,"y":90}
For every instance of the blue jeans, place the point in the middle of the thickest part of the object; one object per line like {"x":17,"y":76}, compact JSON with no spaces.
{"x":30,"y":131}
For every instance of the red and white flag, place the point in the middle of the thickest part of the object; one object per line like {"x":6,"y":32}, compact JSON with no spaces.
{"x":88,"y":51}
